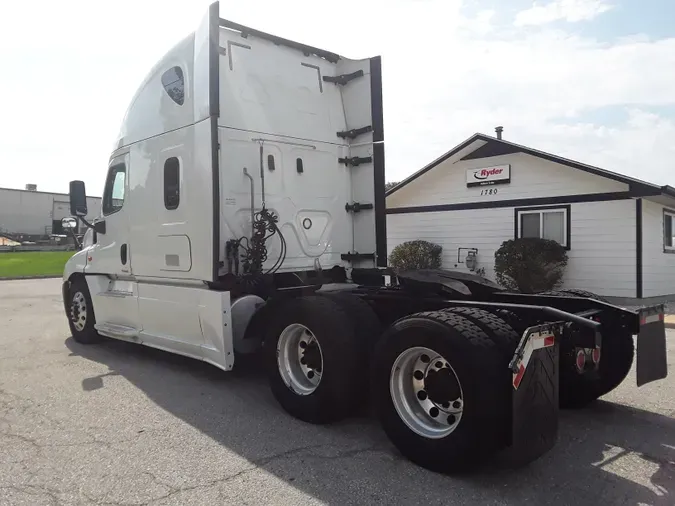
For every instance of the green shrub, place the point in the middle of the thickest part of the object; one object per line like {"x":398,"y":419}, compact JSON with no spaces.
{"x":530,"y":265}
{"x":412,"y":255}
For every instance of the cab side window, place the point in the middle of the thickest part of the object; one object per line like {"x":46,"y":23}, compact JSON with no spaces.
{"x":113,"y":195}
{"x":174,"y":84}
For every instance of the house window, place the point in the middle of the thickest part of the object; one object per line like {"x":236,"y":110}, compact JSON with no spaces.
{"x":544,"y":222}
{"x":113,"y":194}
{"x":668,"y":230}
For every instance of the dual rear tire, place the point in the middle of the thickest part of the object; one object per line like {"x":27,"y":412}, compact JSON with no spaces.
{"x":473,"y":346}
{"x":316,"y":353}
{"x":439,"y":381}
{"x":578,"y":390}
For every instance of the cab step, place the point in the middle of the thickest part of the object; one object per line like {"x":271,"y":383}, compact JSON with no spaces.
{"x":117,"y":331}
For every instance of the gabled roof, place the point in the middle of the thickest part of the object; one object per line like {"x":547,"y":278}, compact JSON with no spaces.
{"x":487,"y":146}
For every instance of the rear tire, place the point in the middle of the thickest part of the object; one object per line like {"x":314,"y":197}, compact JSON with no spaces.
{"x":583,"y":293}
{"x":506,"y":339}
{"x":574,"y":292}
{"x":515,"y":321}
{"x":494,"y":327}
{"x":315,"y":395}
{"x":477,"y":365}
{"x":367,"y":326}
{"x":80,"y":313}
{"x":616,"y":359}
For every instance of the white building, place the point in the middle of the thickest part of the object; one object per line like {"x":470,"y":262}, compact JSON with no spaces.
{"x":619,"y":231}
{"x":35,"y":213}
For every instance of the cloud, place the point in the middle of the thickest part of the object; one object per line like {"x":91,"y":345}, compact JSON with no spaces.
{"x":446,"y":75}
{"x":537,"y":83}
{"x":640,"y":146}
{"x":572,"y":11}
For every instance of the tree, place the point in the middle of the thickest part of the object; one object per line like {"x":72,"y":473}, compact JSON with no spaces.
{"x":388,"y":186}
{"x":413,"y":255}
{"x":530,"y":265}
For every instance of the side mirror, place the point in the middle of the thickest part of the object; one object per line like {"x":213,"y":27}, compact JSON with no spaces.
{"x":78,"y":199}
{"x":69,"y":223}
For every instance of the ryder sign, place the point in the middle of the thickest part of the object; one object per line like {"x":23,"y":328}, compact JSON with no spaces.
{"x":497,"y":174}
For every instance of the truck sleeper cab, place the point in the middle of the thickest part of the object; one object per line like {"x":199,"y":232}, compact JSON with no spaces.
{"x":243,"y":211}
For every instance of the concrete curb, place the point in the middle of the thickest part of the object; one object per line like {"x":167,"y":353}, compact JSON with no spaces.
{"x":16,"y":278}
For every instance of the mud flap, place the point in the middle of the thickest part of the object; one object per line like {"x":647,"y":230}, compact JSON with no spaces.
{"x":534,"y":418}
{"x":652,"y":360}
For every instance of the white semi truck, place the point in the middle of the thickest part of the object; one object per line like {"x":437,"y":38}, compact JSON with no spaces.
{"x":243,"y":212}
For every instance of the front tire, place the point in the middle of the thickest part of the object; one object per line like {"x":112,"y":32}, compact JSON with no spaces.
{"x":80,"y":313}
{"x":424,"y":358}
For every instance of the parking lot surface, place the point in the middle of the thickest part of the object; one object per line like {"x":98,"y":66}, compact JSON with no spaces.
{"x":120,"y":424}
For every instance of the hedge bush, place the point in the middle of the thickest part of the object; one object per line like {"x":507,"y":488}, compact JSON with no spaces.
{"x":530,"y":265}
{"x":412,"y":255}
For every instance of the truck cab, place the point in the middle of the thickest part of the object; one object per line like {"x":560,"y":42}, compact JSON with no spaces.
{"x":244,"y":160}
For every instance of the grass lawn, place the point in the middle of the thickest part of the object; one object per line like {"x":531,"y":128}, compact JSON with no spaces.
{"x":33,"y":263}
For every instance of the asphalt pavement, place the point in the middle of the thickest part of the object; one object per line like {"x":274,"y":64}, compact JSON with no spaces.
{"x":120,"y":424}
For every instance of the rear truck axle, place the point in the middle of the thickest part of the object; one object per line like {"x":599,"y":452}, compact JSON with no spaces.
{"x":464,"y":380}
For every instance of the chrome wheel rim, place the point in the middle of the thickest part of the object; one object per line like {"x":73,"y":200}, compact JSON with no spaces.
{"x":299,"y":359}
{"x":426,"y":392}
{"x":78,"y":311}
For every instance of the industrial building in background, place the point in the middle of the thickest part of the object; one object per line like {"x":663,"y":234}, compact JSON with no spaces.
{"x":31,"y":215}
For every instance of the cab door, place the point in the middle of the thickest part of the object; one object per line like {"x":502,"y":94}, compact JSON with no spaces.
{"x":115,"y":291}
{"x":112,"y":254}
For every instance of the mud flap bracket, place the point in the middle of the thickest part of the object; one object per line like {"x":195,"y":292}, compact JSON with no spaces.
{"x":535,"y":393}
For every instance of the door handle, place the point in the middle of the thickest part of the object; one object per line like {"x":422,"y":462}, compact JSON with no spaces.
{"x":123,"y":254}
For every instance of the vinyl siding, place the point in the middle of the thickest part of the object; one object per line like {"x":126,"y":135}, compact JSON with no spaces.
{"x":531,"y":177}
{"x":484,"y":229}
{"x":658,"y":268}
{"x":601,"y":259}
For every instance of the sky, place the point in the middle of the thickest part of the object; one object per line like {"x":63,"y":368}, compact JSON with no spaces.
{"x":592,"y":80}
